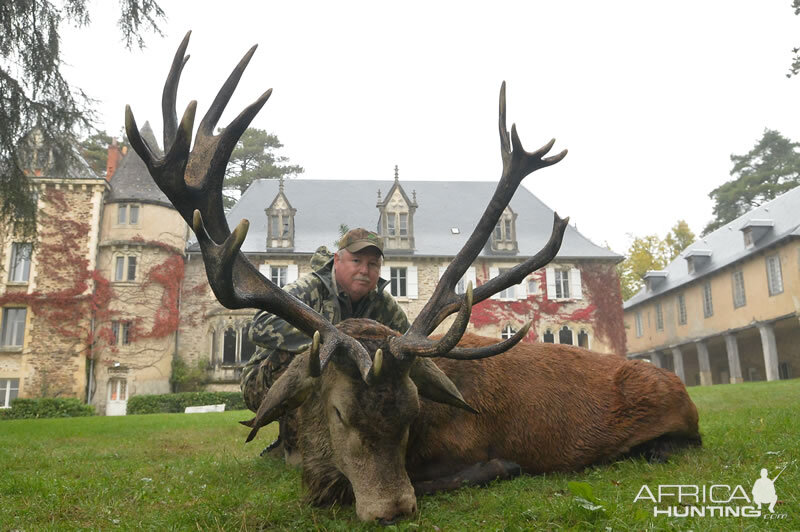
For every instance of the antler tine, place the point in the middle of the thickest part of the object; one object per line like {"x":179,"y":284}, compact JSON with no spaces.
{"x":403,"y":349}
{"x":170,"y":93}
{"x":517,"y":164}
{"x":475,"y":353}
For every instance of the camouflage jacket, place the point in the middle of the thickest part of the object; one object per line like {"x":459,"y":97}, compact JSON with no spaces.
{"x":270,"y":333}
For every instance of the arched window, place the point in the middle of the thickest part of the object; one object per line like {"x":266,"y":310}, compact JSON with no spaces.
{"x":565,"y":335}
{"x":583,"y":339}
{"x":248,"y":347}
{"x":214,"y":348}
{"x":508,"y":332}
{"x":229,"y":347}
{"x":548,"y":337}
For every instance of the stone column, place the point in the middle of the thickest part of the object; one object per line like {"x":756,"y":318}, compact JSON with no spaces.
{"x":677,"y":362}
{"x":704,"y":363}
{"x":655,"y":359}
{"x":734,"y":364}
{"x":770,"y":349}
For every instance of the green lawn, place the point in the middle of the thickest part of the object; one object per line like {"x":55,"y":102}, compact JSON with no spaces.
{"x":193,"y":472}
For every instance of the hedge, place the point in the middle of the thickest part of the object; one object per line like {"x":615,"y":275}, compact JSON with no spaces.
{"x":177,"y":402}
{"x":46,"y":407}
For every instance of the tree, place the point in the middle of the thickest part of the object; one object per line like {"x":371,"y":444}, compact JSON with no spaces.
{"x":651,"y":253}
{"x":679,"y":239}
{"x":795,"y":68}
{"x":34,"y":96}
{"x":768,"y":170}
{"x":94,"y":149}
{"x":254,"y":158}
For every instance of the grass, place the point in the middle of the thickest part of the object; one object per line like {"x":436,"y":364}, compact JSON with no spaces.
{"x":193,"y":472}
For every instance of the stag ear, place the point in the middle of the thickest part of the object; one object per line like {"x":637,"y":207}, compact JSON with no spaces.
{"x":287,"y":393}
{"x":433,"y":384}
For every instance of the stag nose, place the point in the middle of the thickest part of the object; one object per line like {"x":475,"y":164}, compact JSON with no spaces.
{"x":389,"y":511}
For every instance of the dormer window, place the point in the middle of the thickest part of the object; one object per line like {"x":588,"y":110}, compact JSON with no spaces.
{"x":697,"y":258}
{"x":754,"y":230}
{"x":504,"y":236}
{"x":654,"y":279}
{"x":396,"y":218}
{"x":280,"y":226}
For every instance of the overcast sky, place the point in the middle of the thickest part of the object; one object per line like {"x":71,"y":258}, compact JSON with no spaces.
{"x":650,"y":98}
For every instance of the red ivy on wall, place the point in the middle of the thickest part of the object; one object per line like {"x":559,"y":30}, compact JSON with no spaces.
{"x":604,"y":312}
{"x":61,"y":263}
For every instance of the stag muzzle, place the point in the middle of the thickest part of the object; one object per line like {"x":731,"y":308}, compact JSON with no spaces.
{"x":386,"y":510}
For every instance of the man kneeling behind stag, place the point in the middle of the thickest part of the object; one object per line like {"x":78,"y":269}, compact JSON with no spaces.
{"x":348,"y":285}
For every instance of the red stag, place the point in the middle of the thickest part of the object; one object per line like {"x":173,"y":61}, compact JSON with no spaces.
{"x":380,"y":413}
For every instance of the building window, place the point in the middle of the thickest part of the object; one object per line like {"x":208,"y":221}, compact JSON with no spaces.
{"x":562,"y":284}
{"x":507,"y":293}
{"x":121,"y":333}
{"x":9,"y":389}
{"x":548,"y":337}
{"x":508,"y":332}
{"x":117,"y":390}
{"x":784,"y":372}
{"x":403,"y":225}
{"x":681,"y":309}
{"x":639,"y":329}
{"x":280,"y":228}
{"x":390,"y":226}
{"x":20,"y":265}
{"x":127,"y":214}
{"x":125,"y":268}
{"x":708,"y":304}
{"x":503,"y":231}
{"x":398,"y":278}
{"x":583,"y":339}
{"x":533,"y":286}
{"x":659,"y":317}
{"x":739,"y":299}
{"x":565,"y":336}
{"x":774,"y":278}
{"x":278,"y":275}
{"x":275,"y":224}
{"x":236,"y":346}
{"x":12,"y":332}
{"x":229,"y":346}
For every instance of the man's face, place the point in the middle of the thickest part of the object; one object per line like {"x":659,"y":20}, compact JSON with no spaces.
{"x":357,"y":273}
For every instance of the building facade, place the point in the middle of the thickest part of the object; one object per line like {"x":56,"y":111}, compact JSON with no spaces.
{"x":145,"y":303}
{"x":727,"y":309}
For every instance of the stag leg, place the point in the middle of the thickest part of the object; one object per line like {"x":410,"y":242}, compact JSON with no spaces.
{"x":479,"y":474}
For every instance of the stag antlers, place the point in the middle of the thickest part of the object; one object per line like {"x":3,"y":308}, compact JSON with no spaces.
{"x":193,"y":183}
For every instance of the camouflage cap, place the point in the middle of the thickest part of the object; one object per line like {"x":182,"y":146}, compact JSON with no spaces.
{"x":357,"y":239}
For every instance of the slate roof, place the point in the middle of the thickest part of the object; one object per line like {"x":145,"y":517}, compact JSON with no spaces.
{"x":322,"y":205}
{"x":727,"y":244}
{"x":132,"y":182}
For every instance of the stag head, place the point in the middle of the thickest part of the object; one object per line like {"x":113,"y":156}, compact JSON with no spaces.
{"x":358,"y":386}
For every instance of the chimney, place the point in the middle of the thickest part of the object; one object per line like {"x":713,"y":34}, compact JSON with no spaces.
{"x":114,"y":156}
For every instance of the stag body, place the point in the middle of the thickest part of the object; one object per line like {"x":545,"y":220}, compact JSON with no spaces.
{"x":545,"y":407}
{"x":374,"y":407}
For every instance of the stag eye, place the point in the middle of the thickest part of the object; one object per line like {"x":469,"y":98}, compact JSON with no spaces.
{"x":339,"y":415}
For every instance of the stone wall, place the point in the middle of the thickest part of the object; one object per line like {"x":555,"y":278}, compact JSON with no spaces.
{"x":58,"y":295}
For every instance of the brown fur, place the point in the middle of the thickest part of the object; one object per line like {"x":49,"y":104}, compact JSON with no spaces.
{"x":548,"y":408}
{"x":545,"y":407}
